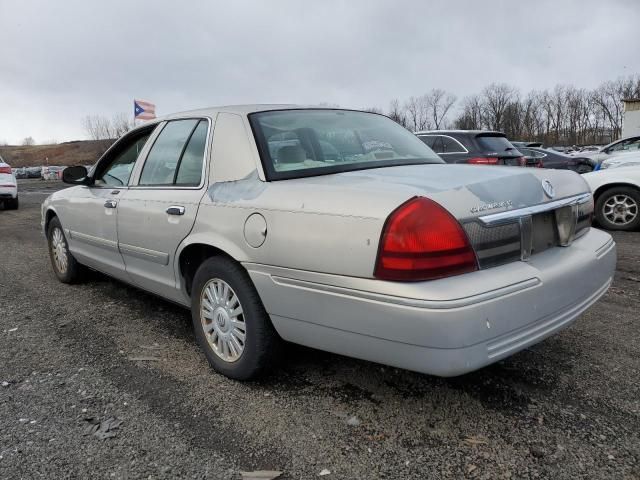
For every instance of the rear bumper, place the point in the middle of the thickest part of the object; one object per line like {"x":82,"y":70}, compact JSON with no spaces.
{"x":7,"y":193}
{"x":444,"y":327}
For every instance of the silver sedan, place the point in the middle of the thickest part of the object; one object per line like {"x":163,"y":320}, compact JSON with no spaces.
{"x":334,"y":229}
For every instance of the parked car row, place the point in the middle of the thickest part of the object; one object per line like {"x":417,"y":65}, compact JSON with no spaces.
{"x":482,"y":147}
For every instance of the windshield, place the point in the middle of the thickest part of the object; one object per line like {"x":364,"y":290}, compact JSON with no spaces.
{"x":497,"y":144}
{"x":302,"y":143}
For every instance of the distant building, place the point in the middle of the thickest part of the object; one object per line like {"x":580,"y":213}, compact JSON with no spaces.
{"x":631,"y":119}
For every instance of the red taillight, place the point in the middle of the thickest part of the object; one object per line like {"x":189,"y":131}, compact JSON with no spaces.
{"x":483,"y":160}
{"x":5,"y":170}
{"x":540,"y":164}
{"x":422,"y":241}
{"x":522,"y":161}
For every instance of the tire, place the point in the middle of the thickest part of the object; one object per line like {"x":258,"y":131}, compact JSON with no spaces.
{"x":11,"y":204}
{"x":251,"y":344}
{"x":65,"y":266}
{"x":618,"y":208}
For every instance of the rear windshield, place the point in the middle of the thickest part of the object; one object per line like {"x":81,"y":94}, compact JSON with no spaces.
{"x":496,"y":144}
{"x":302,"y":143}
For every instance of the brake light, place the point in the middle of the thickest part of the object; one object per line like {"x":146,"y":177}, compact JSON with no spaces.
{"x":6,"y":169}
{"x":483,"y":160}
{"x":540,"y":164}
{"x":422,"y":241}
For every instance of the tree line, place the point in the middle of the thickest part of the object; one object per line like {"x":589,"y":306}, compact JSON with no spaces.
{"x":563,"y":115}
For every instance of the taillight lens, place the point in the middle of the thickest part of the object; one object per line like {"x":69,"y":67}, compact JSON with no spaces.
{"x":5,"y":170}
{"x":483,"y":160}
{"x":422,"y":241}
{"x":516,"y":162}
{"x":540,"y":164}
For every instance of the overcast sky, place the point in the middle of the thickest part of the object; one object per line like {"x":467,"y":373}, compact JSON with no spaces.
{"x":61,"y":60}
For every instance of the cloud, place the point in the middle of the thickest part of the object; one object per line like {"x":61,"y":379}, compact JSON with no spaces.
{"x":60,"y":61}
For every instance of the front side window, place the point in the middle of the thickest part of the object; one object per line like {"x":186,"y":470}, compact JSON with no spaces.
{"x":118,"y":171}
{"x":630,"y":144}
{"x":301,"y":143}
{"x":180,"y":141}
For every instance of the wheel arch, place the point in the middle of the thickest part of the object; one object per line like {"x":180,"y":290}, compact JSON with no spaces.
{"x":196,"y":250}
{"x":48,"y":216}
{"x":608,"y":186}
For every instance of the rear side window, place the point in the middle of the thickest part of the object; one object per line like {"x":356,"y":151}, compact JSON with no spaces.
{"x":449,"y":145}
{"x":190,"y":168}
{"x":495,"y":144}
{"x":438,"y":146}
{"x":180,"y":141}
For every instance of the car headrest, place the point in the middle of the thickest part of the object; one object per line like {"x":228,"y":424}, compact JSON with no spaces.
{"x":291,"y":154}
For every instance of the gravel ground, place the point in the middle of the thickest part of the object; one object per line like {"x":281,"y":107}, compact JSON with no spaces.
{"x":74,"y":356}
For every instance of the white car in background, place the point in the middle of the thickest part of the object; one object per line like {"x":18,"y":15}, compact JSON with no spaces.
{"x":8,"y":187}
{"x":624,"y":146}
{"x":624,"y":160}
{"x":616,"y":192}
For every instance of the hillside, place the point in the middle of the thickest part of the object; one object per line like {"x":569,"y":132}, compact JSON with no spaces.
{"x":81,"y":152}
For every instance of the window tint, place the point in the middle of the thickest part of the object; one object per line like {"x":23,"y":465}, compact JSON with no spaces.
{"x":162,"y":161}
{"x":190,"y":169}
{"x":296,"y":143}
{"x":497,"y":144}
{"x":449,"y":145}
{"x":428,"y":140}
{"x":438,"y":146}
{"x":631,"y":144}
{"x":118,"y":172}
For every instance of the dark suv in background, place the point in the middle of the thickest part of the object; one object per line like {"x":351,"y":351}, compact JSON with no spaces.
{"x":481,"y":147}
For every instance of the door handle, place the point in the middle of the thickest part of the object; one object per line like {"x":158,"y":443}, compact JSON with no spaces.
{"x":110,"y":204}
{"x":175,"y":210}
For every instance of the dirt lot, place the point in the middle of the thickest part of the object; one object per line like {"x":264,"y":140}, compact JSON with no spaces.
{"x":81,"y":152}
{"x":73,"y":356}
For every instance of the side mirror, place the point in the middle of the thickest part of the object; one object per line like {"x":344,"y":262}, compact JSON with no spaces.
{"x":75,"y":175}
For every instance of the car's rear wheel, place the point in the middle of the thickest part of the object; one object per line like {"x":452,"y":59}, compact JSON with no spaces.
{"x":11,"y":204}
{"x":230,"y":322}
{"x":65,"y":266}
{"x":619,"y":209}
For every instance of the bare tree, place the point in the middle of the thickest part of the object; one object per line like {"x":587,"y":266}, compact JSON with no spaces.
{"x":438,"y":103}
{"x":105,"y":130}
{"x":496,"y":98}
{"x":397,"y":113}
{"x":28,"y":141}
{"x":471,"y":117}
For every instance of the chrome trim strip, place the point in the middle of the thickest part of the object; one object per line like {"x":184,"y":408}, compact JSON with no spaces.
{"x":95,"y":241}
{"x":448,"y":136}
{"x":408,"y":302}
{"x":512,"y":215}
{"x":144,"y":254}
{"x":526,"y":237}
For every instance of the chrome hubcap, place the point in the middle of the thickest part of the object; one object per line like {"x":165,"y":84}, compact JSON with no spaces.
{"x":620,"y":209}
{"x":223,"y":320}
{"x":59,"y":250}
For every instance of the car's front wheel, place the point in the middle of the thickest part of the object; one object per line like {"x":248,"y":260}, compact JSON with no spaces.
{"x":230,"y":322}
{"x":65,"y":266}
{"x":619,"y":209}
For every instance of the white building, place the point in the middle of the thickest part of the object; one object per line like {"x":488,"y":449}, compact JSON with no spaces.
{"x":631,"y":119}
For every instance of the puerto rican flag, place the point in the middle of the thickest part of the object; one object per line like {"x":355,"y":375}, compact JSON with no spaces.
{"x":143,"y":110}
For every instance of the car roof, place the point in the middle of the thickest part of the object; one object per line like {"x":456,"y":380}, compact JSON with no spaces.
{"x":247,"y":109}
{"x":464,"y":132}
{"x":238,"y":110}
